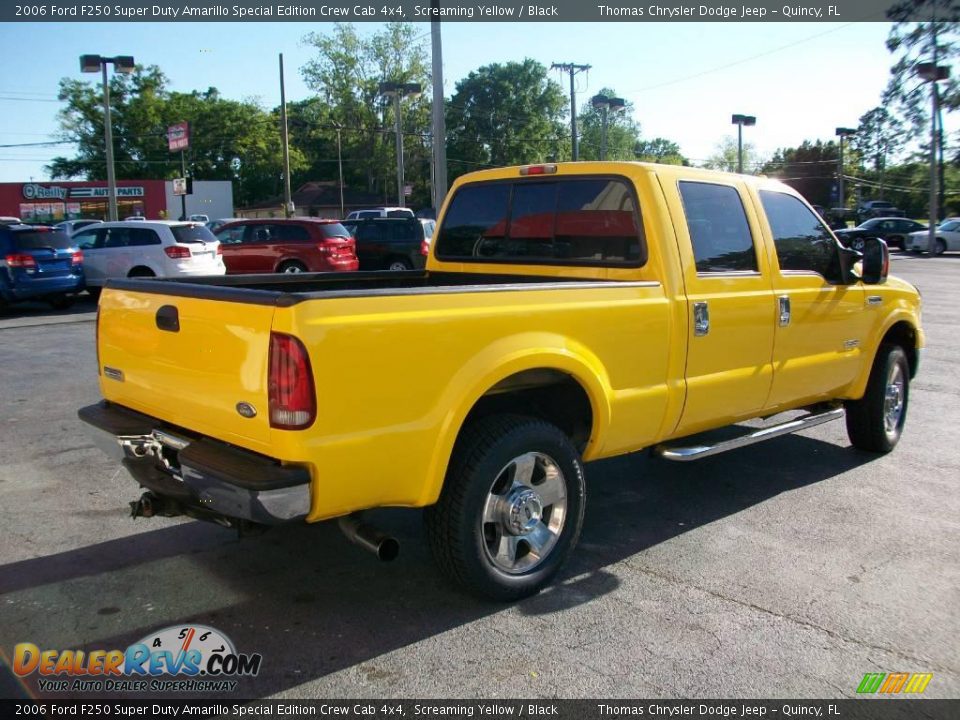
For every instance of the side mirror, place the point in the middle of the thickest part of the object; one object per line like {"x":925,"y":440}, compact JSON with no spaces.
{"x":876,"y":262}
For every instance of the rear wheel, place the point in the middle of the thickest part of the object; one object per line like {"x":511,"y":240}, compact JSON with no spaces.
{"x":60,"y":302}
{"x":875,"y":422}
{"x":940,"y":247}
{"x":897,"y":241}
{"x":398,"y":264}
{"x":291,"y":267}
{"x":511,"y":509}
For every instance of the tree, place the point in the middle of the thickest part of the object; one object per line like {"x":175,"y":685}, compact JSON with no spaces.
{"x":810,"y":168}
{"x":879,"y":137}
{"x":623,"y":132}
{"x":505,"y":114}
{"x":659,"y":150}
{"x":346,"y":75}
{"x":229,"y":140}
{"x":725,"y":156}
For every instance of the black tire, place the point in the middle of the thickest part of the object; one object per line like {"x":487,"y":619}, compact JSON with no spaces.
{"x":857,"y":244}
{"x":940,"y":247}
{"x":291,"y":267}
{"x":480,"y":469}
{"x":398,"y":263}
{"x":873,"y":424}
{"x":141,"y":272}
{"x":60,"y":302}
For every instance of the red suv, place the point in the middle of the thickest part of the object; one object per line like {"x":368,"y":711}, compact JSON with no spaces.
{"x":287,"y":246}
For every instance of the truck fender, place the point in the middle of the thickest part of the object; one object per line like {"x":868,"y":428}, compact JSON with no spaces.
{"x":859,"y":385}
{"x":500,"y":360}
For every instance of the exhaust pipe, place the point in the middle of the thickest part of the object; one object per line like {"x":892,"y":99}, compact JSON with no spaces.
{"x":150,"y":505}
{"x":368,"y":537}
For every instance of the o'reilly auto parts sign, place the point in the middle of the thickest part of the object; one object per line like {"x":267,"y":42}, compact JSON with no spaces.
{"x":32,"y":191}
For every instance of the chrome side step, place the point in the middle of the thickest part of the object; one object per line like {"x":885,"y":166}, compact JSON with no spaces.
{"x":679,"y":453}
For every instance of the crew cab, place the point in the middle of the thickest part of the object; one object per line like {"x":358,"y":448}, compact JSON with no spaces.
{"x":567,"y":313}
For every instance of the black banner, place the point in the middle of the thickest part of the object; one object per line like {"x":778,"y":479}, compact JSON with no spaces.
{"x":873,"y":708}
{"x":460,"y":11}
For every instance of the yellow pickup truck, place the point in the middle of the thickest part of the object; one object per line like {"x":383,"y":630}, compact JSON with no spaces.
{"x":568,"y":312}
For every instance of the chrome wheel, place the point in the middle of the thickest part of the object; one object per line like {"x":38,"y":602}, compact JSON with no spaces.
{"x":398,"y":266}
{"x":291,"y":269}
{"x":893,"y":400}
{"x":524,"y":513}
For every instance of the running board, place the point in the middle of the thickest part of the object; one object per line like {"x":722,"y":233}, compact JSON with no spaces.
{"x":679,"y":453}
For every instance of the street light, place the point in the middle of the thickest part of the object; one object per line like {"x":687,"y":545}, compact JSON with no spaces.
{"x":122,"y":64}
{"x":605,"y":104}
{"x":842,"y":132}
{"x":740,"y":121}
{"x":933,"y":73}
{"x":397,"y":91}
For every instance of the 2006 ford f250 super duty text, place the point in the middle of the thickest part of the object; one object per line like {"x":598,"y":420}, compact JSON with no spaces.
{"x":567,"y":313}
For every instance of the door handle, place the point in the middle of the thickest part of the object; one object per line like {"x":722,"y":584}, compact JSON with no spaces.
{"x":701,"y":319}
{"x":784,"y":303}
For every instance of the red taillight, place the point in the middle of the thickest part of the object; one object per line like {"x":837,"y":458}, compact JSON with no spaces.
{"x":77,"y":257}
{"x":293,"y":402}
{"x":549,"y":169}
{"x":219,"y":249}
{"x":326,"y":248}
{"x":178,"y":252}
{"x":425,"y":248}
{"x":17,"y":260}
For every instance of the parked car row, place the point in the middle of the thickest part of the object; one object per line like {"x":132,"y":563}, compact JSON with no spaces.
{"x":893,"y":230}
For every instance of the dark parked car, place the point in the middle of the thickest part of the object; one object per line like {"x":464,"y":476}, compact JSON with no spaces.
{"x":893,"y":230}
{"x":39,"y":263}
{"x":391,"y":243}
{"x":877,"y":209}
{"x":288,"y":246}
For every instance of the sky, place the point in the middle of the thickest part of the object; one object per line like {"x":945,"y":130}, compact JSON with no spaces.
{"x":800,"y":80}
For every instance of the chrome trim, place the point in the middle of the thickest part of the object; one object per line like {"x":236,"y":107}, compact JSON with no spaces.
{"x":875,"y":300}
{"x":696,"y":452}
{"x":784,"y":304}
{"x":701,"y":319}
{"x":113,"y":373}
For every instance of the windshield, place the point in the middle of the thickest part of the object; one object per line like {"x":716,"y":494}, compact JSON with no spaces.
{"x":42,"y":239}
{"x":950,"y":225}
{"x":192,"y":233}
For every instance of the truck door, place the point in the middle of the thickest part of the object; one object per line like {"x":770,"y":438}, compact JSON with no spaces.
{"x":821,"y":322}
{"x":730,"y":304}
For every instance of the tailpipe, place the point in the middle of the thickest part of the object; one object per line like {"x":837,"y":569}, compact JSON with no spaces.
{"x":150,"y":505}
{"x":385,"y":547}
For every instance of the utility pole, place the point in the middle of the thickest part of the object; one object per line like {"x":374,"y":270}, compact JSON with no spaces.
{"x":573,"y":69}
{"x":287,"y":201}
{"x":439,"y":122}
{"x":339,"y":127}
{"x":842,"y":132}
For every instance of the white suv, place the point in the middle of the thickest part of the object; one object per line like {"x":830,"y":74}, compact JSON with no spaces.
{"x":152,"y":248}
{"x":381,"y":212}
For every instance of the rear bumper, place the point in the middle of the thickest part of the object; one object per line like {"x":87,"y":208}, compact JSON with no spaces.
{"x":41,"y":286}
{"x":201,"y":474}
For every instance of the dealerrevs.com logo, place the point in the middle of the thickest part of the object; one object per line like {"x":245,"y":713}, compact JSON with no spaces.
{"x":180,"y":658}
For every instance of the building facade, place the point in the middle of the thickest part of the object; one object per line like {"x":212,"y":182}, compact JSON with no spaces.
{"x":52,"y":202}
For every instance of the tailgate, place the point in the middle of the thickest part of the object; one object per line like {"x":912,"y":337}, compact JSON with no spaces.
{"x":188,"y":361}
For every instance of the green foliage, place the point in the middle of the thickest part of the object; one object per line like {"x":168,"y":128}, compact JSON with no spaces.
{"x":659,"y":150}
{"x":623,"y":132}
{"x":505,"y":114}
{"x":725,"y":156}
{"x":810,"y":168}
{"x":346,"y":75}
{"x":230,"y":140}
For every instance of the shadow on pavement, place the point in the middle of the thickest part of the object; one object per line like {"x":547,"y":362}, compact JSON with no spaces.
{"x":312,"y":604}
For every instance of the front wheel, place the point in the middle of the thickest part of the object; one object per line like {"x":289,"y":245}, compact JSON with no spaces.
{"x":292,"y":267}
{"x":875,"y":422}
{"x":511,"y":509}
{"x":940,"y":247}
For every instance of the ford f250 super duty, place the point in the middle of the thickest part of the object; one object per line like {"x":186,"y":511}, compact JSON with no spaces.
{"x":567,"y":313}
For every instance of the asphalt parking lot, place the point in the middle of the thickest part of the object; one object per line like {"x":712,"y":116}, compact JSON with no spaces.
{"x":789,"y":569}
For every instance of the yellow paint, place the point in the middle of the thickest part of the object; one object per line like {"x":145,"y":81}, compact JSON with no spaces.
{"x":397,"y":375}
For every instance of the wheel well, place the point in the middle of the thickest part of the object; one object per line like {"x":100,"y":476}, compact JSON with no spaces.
{"x":544,"y":393}
{"x":291,"y":261}
{"x":904,"y":335}
{"x":141,"y":270}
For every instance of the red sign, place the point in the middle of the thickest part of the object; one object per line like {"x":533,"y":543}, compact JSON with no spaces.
{"x":178,"y":136}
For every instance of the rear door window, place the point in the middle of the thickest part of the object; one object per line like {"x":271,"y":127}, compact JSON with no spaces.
{"x":289,"y":233}
{"x":142,"y":236}
{"x":404,"y":231}
{"x":581,"y":221}
{"x":719,"y":232}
